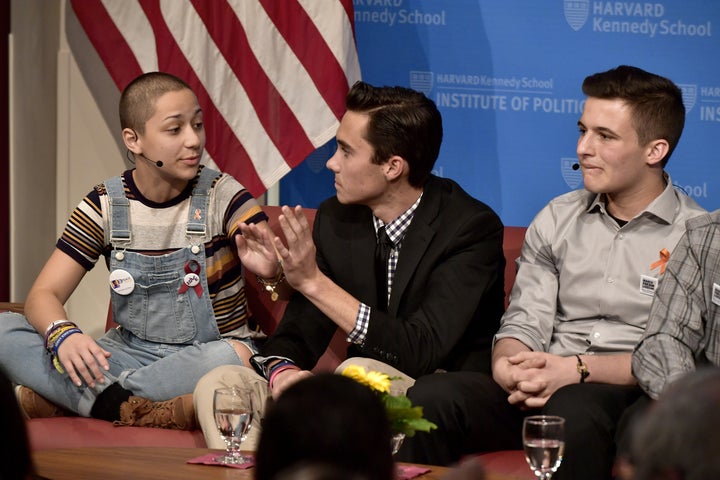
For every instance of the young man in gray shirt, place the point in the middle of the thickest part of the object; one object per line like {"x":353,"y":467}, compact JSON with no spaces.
{"x":586,"y":277}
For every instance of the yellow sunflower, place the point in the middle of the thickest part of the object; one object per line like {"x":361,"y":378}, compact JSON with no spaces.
{"x":378,"y":381}
{"x":404,"y":418}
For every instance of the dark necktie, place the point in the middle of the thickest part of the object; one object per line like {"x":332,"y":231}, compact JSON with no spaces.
{"x":382,"y":255}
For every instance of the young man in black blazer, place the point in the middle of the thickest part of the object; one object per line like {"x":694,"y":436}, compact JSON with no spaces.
{"x":433,"y":305}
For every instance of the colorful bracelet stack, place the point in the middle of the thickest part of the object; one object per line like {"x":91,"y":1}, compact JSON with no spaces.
{"x":280,"y":366}
{"x":57,"y":333}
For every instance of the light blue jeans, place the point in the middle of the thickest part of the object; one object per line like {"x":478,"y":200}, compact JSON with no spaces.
{"x":151,"y":370}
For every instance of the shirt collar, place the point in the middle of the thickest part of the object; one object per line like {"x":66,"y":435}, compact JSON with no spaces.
{"x":664,"y":207}
{"x":397,"y":228}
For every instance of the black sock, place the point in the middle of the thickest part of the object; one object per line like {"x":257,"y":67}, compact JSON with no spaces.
{"x":107,"y":404}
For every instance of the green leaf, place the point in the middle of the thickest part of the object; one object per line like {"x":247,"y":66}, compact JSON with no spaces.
{"x":404,"y":418}
{"x":418,"y":425}
{"x":410,"y":426}
{"x":394,"y":402}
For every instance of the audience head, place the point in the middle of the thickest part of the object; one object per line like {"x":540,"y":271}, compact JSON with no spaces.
{"x":678,"y":437}
{"x":656,"y":102}
{"x":330,"y":423}
{"x":318,"y":471}
{"x":15,"y":460}
{"x":402,"y":122}
{"x":137,"y":102}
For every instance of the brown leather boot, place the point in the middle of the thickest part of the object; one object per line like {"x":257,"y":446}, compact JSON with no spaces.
{"x":33,"y":405}
{"x":177,"y":413}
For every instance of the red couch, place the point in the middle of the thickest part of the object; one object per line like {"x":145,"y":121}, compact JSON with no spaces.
{"x":68,"y":432}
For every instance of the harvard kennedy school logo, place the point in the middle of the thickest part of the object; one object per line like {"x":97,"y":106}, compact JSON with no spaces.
{"x":689,"y":95}
{"x":572,"y":176}
{"x":421,"y":81}
{"x":576,"y":13}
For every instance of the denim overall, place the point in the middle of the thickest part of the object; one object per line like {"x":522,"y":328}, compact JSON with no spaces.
{"x":154,"y":310}
{"x":168,"y":337}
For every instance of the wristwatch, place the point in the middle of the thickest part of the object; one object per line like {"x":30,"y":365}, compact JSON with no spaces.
{"x":582,"y":369}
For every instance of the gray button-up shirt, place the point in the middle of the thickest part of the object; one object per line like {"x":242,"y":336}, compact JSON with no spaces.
{"x":584,"y":284}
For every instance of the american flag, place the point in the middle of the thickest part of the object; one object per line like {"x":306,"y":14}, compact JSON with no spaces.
{"x":270,"y":75}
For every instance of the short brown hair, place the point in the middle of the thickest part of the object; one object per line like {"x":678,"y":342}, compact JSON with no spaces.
{"x":656,"y":102}
{"x":137,"y":102}
{"x":401,"y":122}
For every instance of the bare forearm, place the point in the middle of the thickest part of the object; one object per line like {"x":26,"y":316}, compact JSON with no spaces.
{"x":52,"y":288}
{"x":42,"y":308}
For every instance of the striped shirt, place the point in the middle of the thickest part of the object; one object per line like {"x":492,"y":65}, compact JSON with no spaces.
{"x":159,"y":228}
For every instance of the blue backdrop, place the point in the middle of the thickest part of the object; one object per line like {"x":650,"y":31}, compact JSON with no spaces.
{"x":506,"y":76}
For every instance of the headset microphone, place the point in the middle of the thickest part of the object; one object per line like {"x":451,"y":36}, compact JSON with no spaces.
{"x":158,"y":163}
{"x":575,"y":166}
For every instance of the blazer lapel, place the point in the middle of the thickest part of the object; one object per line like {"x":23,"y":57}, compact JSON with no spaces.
{"x":416,"y":241}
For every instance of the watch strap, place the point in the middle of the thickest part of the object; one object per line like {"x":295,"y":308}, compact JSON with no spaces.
{"x":582,"y":369}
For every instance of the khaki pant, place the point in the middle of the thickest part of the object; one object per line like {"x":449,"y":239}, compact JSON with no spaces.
{"x":399,"y":385}
{"x":230,"y":375}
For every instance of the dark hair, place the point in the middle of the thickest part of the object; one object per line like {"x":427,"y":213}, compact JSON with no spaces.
{"x":330,"y":420}
{"x":656,"y":102}
{"x":137,"y":102}
{"x":318,"y":471}
{"x":678,"y":437}
{"x":401,"y":122}
{"x":15,"y":459}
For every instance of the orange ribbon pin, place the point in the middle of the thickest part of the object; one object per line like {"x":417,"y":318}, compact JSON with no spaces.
{"x":664,"y":257}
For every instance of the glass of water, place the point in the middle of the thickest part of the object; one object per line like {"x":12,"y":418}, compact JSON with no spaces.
{"x":544,"y":444}
{"x":233,"y":408}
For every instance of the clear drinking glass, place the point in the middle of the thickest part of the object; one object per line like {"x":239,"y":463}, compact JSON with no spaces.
{"x":544,"y":443}
{"x":233,"y":408}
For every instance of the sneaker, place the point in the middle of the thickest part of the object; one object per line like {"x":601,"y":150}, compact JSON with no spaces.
{"x":177,"y":413}
{"x":33,"y":405}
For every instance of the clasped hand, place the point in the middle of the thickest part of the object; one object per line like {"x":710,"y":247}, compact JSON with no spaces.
{"x":531,"y":378}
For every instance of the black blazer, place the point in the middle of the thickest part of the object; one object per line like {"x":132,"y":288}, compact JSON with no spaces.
{"x":447,"y":295}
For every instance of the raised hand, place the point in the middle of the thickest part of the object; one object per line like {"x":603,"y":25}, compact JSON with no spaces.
{"x":256,"y":249}
{"x":298,"y":257}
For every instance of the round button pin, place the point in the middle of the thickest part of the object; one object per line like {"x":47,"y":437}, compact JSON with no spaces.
{"x":195,"y":249}
{"x":191,"y":279}
{"x":121,"y":282}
